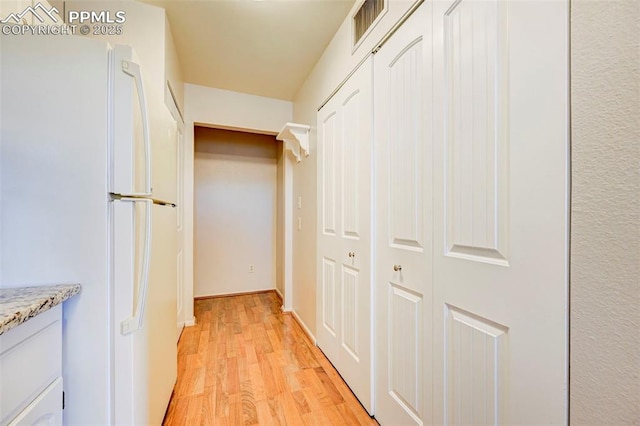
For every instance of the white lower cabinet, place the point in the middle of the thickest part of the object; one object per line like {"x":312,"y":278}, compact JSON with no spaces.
{"x":31,"y":371}
{"x":45,"y":410}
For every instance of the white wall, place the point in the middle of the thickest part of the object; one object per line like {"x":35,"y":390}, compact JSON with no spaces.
{"x":233,"y":110}
{"x":332,"y":68}
{"x":222,"y":109}
{"x":235,"y":212}
{"x":605,"y":225}
{"x":173,"y":71}
{"x":280,"y":254}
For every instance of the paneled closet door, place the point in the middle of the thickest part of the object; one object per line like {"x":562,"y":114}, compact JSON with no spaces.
{"x":344,"y":240}
{"x":500,"y":209}
{"x":403,"y":143}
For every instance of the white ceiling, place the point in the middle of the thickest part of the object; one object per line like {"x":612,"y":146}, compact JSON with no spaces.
{"x":264,"y":48}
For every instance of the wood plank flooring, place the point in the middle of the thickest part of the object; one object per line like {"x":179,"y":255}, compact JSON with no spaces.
{"x":246,"y":363}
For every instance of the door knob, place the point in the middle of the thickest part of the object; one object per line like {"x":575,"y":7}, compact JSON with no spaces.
{"x":397,"y":268}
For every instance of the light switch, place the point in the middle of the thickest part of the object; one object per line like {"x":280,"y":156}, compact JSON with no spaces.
{"x":299,"y":224}
{"x":299,"y":202}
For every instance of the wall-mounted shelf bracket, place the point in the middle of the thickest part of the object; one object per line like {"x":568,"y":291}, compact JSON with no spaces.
{"x":296,"y":138}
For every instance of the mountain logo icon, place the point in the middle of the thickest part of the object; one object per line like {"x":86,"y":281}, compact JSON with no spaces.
{"x":17,"y":17}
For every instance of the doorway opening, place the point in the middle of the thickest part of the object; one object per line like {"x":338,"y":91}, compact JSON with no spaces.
{"x":238,"y":212}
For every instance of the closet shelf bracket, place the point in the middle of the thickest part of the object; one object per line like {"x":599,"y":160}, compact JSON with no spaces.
{"x":296,"y":139}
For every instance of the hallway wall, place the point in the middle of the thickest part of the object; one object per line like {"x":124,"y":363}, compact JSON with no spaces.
{"x":605,"y":225}
{"x":235,"y":176}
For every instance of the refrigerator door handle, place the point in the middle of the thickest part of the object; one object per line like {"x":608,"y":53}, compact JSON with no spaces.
{"x":133,"y":69}
{"x":134,"y":323}
{"x":116,"y":196}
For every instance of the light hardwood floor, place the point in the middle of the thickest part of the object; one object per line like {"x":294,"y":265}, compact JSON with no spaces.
{"x":246,"y":363}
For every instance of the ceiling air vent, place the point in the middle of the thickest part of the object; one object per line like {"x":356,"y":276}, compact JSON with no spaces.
{"x":365,"y":17}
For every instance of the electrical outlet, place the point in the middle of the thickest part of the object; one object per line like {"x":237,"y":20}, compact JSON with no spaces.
{"x":252,"y":269}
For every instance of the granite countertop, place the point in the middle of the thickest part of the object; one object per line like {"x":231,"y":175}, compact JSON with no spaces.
{"x":19,"y":304}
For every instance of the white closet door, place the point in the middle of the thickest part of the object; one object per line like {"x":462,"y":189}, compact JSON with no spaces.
{"x":403,"y":144}
{"x":344,"y":240}
{"x":501,"y":206}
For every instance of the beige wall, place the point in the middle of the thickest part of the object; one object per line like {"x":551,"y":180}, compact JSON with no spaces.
{"x":605,"y":225}
{"x":234,"y":212}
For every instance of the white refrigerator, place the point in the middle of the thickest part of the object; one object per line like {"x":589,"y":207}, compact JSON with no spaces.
{"x":81,"y":202}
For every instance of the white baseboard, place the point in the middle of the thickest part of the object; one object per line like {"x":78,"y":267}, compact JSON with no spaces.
{"x":279,"y":294}
{"x":190,"y":322}
{"x":304,"y":327}
{"x":239,"y":293}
